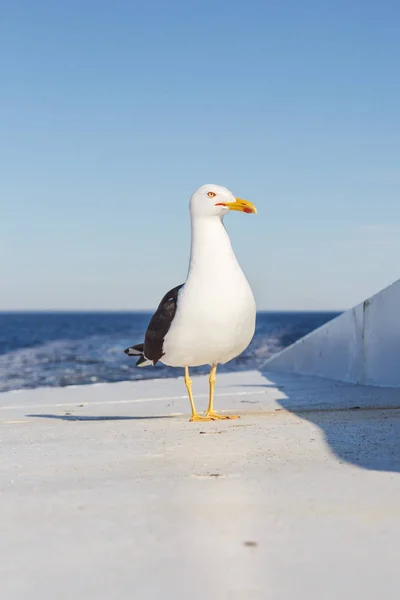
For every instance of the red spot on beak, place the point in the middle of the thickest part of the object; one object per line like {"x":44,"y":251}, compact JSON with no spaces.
{"x":247,"y":210}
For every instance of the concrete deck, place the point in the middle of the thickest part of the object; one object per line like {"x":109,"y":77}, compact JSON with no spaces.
{"x":107,"y":492}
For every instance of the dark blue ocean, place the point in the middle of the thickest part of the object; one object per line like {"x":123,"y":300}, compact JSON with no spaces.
{"x":60,"y":349}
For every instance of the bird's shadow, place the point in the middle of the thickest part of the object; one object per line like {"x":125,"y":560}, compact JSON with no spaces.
{"x":367,"y":437}
{"x":98,"y":418}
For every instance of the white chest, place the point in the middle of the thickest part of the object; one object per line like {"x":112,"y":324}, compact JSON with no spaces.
{"x":215,"y":317}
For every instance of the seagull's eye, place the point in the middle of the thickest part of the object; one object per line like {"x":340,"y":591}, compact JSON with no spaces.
{"x":211,"y":194}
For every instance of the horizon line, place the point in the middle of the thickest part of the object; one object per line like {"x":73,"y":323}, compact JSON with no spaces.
{"x":151,"y":310}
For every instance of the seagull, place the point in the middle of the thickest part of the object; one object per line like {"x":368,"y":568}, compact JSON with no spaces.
{"x":209,"y":319}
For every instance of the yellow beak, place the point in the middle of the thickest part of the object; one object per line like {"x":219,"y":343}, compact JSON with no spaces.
{"x":242,"y":205}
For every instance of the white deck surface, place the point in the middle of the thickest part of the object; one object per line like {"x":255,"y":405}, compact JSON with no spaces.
{"x":107,"y":492}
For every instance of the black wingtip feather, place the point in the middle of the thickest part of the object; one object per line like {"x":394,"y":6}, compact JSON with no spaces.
{"x":135,"y":350}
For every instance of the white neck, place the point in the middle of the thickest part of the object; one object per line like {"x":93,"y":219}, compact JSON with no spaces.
{"x":211,"y":249}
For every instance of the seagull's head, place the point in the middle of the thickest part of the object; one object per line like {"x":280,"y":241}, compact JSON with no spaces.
{"x":212,"y":200}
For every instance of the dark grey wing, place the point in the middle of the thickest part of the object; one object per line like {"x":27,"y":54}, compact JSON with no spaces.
{"x":160,"y":324}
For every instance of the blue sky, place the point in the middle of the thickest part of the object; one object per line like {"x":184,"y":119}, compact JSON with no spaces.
{"x":113,"y":113}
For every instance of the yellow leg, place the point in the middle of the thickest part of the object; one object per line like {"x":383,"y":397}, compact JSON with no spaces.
{"x":195,"y":416}
{"x":210,"y":410}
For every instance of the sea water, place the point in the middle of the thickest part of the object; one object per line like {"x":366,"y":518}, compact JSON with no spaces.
{"x":61,"y":349}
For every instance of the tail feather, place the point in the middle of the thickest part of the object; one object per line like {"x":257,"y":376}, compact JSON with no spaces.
{"x":138,"y":350}
{"x":143,"y":362}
